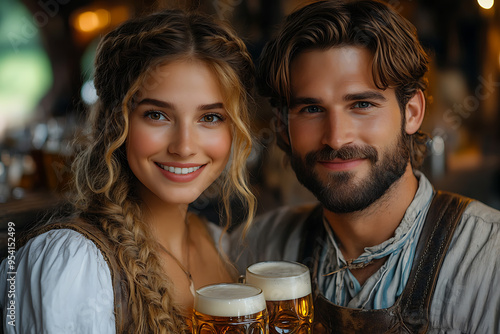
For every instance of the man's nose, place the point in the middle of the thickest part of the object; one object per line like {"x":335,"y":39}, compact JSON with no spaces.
{"x":337,"y":129}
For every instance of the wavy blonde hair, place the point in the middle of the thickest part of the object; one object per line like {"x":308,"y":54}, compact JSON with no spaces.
{"x":104,"y":183}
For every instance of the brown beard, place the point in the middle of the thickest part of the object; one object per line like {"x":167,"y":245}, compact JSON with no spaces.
{"x":341,"y":194}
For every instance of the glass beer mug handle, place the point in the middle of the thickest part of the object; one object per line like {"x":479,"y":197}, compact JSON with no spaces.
{"x":204,"y":329}
{"x":258,"y":329}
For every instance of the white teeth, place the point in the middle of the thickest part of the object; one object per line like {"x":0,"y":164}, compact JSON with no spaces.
{"x":178,"y":170}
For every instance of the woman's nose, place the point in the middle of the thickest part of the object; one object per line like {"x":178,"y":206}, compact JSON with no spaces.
{"x":182,"y":140}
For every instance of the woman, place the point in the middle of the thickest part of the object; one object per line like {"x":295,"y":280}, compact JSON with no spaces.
{"x":171,"y":118}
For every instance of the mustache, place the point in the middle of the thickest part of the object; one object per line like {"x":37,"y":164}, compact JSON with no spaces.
{"x":344,"y":153}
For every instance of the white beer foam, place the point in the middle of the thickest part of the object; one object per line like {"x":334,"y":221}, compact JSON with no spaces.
{"x":280,"y":280}
{"x":229,"y":300}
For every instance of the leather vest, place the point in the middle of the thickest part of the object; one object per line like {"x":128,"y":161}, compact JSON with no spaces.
{"x":410,"y":313}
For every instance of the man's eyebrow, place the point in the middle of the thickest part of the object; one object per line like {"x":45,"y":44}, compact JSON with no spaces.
{"x":368,"y":95}
{"x":298,"y":101}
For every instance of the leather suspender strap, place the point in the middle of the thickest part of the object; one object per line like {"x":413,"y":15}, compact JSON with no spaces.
{"x":410,"y":313}
{"x":118,"y":279}
{"x":442,"y":218}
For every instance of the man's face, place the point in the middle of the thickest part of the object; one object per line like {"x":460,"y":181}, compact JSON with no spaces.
{"x":346,"y":136}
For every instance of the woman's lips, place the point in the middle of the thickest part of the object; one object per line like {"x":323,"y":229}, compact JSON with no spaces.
{"x":180,"y":172}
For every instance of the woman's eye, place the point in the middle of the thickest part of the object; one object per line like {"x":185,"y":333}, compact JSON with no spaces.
{"x":155,"y":115}
{"x":311,"y":109}
{"x":211,"y":118}
{"x":362,"y":105}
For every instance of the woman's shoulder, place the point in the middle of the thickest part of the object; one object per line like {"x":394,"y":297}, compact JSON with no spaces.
{"x":66,"y":273}
{"x":60,"y":255}
{"x":59,"y":245}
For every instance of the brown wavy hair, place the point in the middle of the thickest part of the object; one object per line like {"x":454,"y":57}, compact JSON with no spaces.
{"x":104,"y":183}
{"x":399,"y":60}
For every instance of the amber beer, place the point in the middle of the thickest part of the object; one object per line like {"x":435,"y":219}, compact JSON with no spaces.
{"x":230,"y":309}
{"x":287,"y":289}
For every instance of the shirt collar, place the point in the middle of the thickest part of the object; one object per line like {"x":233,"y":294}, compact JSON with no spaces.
{"x":422,"y":200}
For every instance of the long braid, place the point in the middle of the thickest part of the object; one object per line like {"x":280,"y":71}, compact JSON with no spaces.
{"x":150,"y":301}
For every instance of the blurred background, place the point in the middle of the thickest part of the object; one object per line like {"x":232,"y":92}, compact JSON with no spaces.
{"x":46,"y":55}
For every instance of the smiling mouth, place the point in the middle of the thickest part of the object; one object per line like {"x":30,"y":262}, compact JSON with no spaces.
{"x":179,"y":170}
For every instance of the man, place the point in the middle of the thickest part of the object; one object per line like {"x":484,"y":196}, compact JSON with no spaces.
{"x":347,"y":81}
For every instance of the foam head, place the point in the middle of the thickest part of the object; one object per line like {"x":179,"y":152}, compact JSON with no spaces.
{"x":229,"y":300}
{"x":280,"y":280}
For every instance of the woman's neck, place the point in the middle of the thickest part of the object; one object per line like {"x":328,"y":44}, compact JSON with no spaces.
{"x":168,"y":223}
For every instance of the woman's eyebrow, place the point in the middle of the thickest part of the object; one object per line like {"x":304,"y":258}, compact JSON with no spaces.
{"x":217,"y":105}
{"x":157,"y":103}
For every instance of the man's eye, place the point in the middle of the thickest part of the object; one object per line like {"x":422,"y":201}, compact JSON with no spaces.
{"x":363,"y":105}
{"x":311,"y":109}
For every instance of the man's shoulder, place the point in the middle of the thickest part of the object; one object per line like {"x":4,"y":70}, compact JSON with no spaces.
{"x":274,"y":235}
{"x":479,"y":231}
{"x":285,"y":216}
{"x":466,"y":296}
{"x":482,"y":212}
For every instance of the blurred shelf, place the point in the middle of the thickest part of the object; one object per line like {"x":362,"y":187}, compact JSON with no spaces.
{"x":25,"y":213}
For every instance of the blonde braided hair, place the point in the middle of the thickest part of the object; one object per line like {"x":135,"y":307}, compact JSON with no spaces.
{"x":104,"y":183}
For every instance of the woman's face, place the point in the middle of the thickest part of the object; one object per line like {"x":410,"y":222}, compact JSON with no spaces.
{"x":180,"y":135}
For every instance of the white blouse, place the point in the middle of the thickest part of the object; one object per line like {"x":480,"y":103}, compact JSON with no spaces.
{"x":62,"y":285}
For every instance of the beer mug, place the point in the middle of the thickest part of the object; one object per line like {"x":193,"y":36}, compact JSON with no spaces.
{"x":287,"y":289}
{"x":230,"y":308}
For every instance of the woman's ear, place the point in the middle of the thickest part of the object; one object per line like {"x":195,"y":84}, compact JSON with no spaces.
{"x":415,"y":111}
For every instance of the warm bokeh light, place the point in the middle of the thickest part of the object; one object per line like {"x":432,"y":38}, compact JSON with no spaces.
{"x":87,"y":21}
{"x":92,"y":20}
{"x":486,"y":4}
{"x":103,"y":17}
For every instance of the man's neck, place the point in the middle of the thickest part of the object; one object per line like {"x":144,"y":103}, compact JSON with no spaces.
{"x":377,"y":223}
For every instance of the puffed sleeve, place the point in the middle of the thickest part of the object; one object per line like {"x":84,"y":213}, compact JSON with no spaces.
{"x":62,"y":285}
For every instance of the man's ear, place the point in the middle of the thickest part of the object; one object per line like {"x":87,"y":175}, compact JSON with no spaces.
{"x":415,"y":111}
